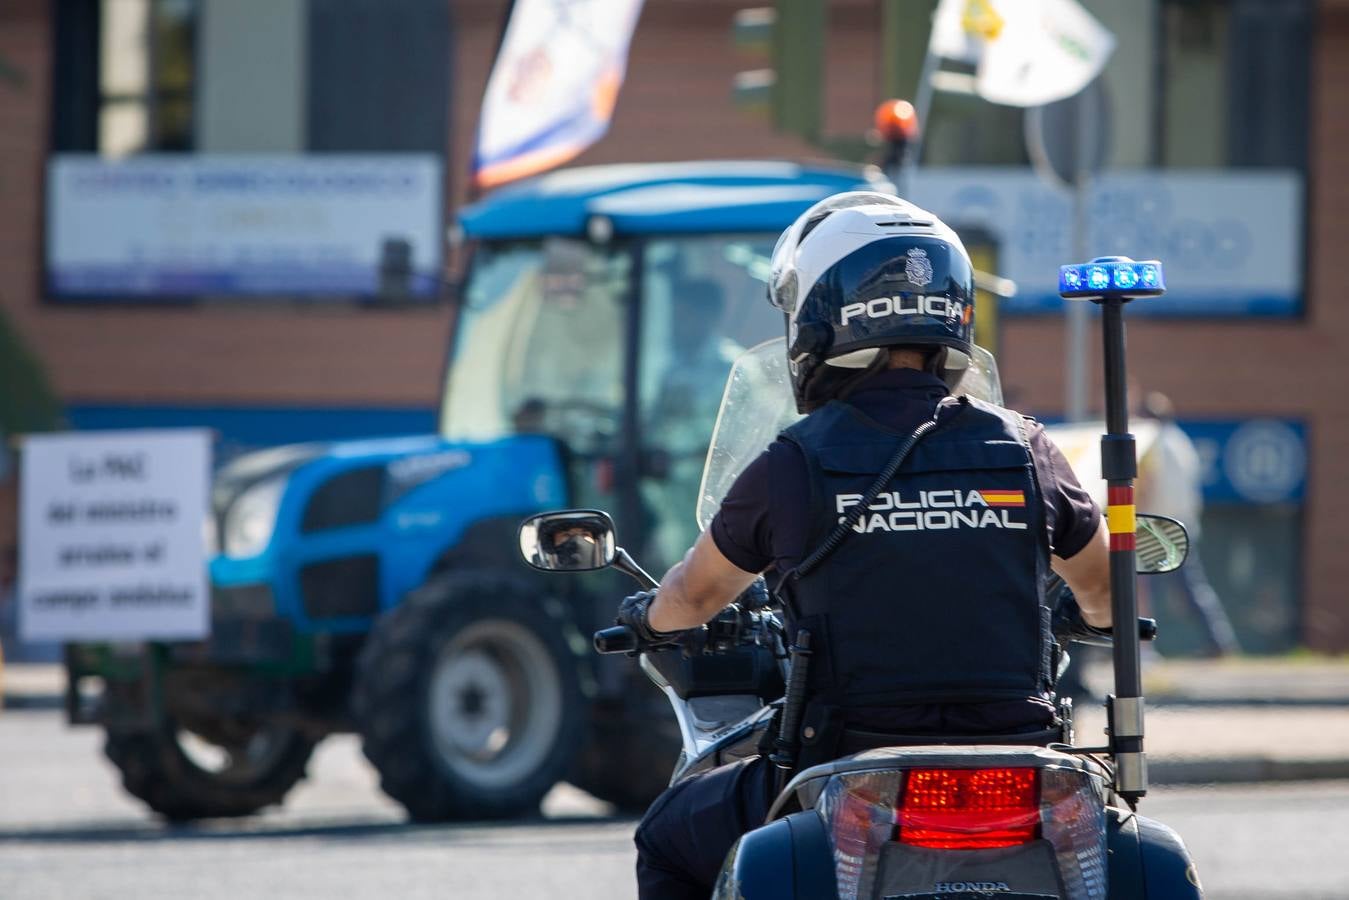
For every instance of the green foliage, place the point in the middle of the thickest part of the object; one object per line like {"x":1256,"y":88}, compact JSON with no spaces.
{"x":27,"y":402}
{"x":11,"y":73}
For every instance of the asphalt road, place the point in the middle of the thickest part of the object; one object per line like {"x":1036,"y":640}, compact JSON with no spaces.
{"x":67,"y":831}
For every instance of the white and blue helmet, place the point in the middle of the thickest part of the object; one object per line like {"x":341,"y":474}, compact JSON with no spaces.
{"x":860,"y":272}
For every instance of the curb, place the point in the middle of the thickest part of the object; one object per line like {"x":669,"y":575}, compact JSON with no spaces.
{"x":1244,"y":770}
{"x":1160,"y":701}
{"x":32,"y":701}
{"x":27,"y":685}
{"x":1162,"y":771}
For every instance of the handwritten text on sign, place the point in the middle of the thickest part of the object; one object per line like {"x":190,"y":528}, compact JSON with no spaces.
{"x":111,"y":540}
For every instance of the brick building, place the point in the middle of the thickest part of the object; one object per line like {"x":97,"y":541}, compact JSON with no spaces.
{"x":381,"y":366}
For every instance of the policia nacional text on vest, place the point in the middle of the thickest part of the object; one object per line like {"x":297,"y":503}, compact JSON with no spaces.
{"x":938,"y":594}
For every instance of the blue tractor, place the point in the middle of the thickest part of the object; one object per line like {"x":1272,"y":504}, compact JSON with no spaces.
{"x":374,"y":586}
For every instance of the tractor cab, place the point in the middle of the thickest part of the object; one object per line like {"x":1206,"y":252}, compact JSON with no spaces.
{"x":604,"y":307}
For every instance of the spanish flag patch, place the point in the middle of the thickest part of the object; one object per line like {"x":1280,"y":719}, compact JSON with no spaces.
{"x":1004,"y":498}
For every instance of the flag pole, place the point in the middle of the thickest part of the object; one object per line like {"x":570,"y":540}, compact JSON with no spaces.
{"x":922,"y":103}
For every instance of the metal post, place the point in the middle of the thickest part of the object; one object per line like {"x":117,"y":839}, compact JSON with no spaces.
{"x":903,"y":24}
{"x":922,"y":103}
{"x":1119,"y":466}
{"x":798,"y":50}
{"x":1078,"y":314}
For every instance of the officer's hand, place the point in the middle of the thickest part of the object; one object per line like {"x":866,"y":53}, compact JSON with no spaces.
{"x":632,"y":612}
{"x":1068,"y":625}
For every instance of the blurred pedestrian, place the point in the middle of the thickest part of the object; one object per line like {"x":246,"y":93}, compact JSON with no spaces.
{"x":1170,"y":483}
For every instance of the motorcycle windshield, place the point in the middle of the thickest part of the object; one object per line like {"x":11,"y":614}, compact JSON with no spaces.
{"x":757,"y":404}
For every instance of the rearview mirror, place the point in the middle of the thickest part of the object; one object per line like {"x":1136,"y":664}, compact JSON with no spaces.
{"x":1161,"y":544}
{"x":571,"y":540}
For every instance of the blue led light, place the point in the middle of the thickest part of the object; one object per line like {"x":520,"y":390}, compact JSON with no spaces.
{"x":1125,"y":276}
{"x":1112,"y":277}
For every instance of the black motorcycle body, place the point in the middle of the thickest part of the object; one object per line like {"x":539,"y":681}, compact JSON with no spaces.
{"x":801,"y":853}
{"x":1064,"y":833}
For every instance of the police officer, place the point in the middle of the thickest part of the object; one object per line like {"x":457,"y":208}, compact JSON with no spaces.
{"x":929,"y":619}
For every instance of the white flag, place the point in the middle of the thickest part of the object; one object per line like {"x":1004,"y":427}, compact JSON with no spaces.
{"x":553,"y":87}
{"x":1028,"y":52}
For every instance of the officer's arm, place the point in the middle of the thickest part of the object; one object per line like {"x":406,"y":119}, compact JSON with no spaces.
{"x":698,"y":588}
{"x":1087,"y":572}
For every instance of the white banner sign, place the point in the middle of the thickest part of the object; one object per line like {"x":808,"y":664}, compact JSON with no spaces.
{"x":187,"y":226}
{"x":1028,"y":52}
{"x":1230,"y":240}
{"x":554,"y":85}
{"x":111,"y":536}
{"x":1081,"y":446}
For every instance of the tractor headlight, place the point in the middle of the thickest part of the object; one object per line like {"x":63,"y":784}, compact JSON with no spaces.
{"x":252,"y":518}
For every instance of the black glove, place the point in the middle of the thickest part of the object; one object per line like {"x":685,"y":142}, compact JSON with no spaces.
{"x":756,"y":596}
{"x":632,"y":612}
{"x":1068,"y":625}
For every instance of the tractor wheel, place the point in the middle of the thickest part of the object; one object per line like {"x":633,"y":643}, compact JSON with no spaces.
{"x":183,"y":775}
{"x":627,"y":761}
{"x":469,"y":698}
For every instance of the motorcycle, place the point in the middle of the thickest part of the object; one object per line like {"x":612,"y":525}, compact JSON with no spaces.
{"x":929,"y":821}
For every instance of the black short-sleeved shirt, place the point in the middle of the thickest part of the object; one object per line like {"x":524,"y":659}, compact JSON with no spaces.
{"x":764,"y":521}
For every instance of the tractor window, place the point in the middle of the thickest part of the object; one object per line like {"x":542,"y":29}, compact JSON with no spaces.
{"x":703,"y":303}
{"x":539,"y":345}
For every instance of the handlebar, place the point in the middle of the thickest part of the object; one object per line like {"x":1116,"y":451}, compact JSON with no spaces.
{"x":618,"y":639}
{"x":734,"y":626}
{"x":621,"y":639}
{"x":1147,"y":629}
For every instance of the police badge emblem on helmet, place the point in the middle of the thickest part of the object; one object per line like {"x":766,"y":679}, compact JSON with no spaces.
{"x":918,"y":268}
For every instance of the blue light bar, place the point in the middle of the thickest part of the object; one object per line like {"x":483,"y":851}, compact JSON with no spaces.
{"x":1112,"y":276}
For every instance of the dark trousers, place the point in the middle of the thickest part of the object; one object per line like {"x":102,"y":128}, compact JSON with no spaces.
{"x":684,"y":837}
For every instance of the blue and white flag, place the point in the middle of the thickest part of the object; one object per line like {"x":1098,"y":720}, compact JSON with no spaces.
{"x":554,"y":85}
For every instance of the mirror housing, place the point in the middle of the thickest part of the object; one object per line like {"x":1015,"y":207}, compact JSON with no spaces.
{"x":569,"y":540}
{"x":1161,"y":544}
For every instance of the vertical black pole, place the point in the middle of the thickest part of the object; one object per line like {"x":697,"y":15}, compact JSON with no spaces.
{"x":1119,"y":466}
{"x":628,"y":466}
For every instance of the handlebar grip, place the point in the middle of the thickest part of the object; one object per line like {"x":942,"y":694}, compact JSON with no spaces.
{"x":1147,"y":629}
{"x":618,"y":639}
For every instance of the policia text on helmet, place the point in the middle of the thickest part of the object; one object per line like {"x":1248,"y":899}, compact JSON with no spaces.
{"x":881,"y":273}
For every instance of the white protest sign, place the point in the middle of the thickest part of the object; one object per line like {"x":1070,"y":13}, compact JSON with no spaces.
{"x":111,"y":536}
{"x":1081,"y":446}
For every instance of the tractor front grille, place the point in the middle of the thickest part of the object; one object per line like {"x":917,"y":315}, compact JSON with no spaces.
{"x":337,"y":588}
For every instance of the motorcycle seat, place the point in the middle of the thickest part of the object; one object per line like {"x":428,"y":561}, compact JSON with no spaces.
{"x":858,"y":741}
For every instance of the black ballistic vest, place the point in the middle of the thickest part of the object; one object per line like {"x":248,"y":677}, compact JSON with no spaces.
{"x":938,"y":594}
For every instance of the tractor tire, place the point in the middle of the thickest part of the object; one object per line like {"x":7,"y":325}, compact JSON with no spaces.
{"x":469,"y":698}
{"x":172,"y":771}
{"x":627,"y":761}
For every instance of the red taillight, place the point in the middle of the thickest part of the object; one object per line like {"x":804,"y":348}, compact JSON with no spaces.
{"x":969,"y":809}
